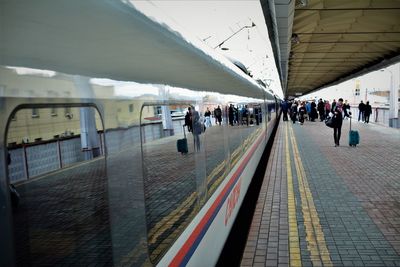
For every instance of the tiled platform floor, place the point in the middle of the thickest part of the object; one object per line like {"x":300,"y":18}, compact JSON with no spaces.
{"x":322,"y":205}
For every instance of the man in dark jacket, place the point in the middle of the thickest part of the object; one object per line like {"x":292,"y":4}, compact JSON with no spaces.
{"x":367,"y":112}
{"x":285,"y":109}
{"x":321,"y":109}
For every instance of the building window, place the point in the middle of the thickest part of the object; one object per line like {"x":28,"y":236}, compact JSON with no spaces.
{"x":53,"y":112}
{"x":35,"y":113}
{"x":68,"y":113}
{"x":130,"y":108}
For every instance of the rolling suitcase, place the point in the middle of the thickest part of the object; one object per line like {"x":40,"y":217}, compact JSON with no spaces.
{"x":354,"y":137}
{"x":181,"y":144}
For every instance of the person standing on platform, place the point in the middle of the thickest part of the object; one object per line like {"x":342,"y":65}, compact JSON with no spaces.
{"x":231,"y":115}
{"x":367,"y":112}
{"x":337,"y":121}
{"x":346,"y":110}
{"x":302,"y":112}
{"x":313,"y":113}
{"x":327,"y":108}
{"x":308,"y":109}
{"x":333,"y":105}
{"x":321,"y":109}
{"x":361,"y":109}
{"x":285,"y":108}
{"x":293,"y":112}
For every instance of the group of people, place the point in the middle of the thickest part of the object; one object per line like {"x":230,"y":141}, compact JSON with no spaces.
{"x":365,"y":111}
{"x":338,"y":111}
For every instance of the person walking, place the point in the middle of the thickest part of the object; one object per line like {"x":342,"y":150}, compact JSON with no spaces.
{"x":337,"y":121}
{"x":367,"y":112}
{"x":361,"y":109}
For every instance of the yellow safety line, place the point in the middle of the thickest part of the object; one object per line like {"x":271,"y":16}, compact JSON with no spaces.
{"x":315,"y":237}
{"x":294,"y":247}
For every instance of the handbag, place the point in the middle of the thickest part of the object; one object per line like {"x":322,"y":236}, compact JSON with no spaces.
{"x":329,"y":122}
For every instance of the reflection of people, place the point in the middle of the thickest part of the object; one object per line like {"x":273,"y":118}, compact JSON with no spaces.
{"x":245,"y":115}
{"x":231,"y":114}
{"x":197,"y":128}
{"x":188,"y":119}
{"x":218,"y":115}
{"x":207,"y":115}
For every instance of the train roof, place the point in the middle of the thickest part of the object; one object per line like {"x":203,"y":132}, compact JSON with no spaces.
{"x":112,"y":39}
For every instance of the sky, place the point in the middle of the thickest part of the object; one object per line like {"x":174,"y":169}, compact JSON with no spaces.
{"x":212,"y":22}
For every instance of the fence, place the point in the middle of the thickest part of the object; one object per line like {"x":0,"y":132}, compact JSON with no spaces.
{"x":30,"y":160}
{"x":380,"y":115}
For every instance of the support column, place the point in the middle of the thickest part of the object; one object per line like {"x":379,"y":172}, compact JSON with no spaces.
{"x":89,"y":137}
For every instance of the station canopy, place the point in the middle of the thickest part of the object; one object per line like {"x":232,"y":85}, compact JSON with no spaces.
{"x":324,"y":42}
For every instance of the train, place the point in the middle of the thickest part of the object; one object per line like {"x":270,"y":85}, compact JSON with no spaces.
{"x":94,"y":96}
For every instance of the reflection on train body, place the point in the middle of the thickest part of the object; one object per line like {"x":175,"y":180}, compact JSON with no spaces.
{"x":99,"y":178}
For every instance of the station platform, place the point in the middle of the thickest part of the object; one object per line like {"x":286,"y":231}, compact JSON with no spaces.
{"x":322,"y":205}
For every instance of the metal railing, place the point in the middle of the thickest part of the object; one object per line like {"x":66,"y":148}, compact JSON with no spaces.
{"x":380,"y":115}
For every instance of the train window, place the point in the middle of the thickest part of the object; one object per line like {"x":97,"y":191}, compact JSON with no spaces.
{"x":174,"y":173}
{"x":252,"y":123}
{"x":216,"y":146}
{"x":235,"y":121}
{"x":60,"y":215}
